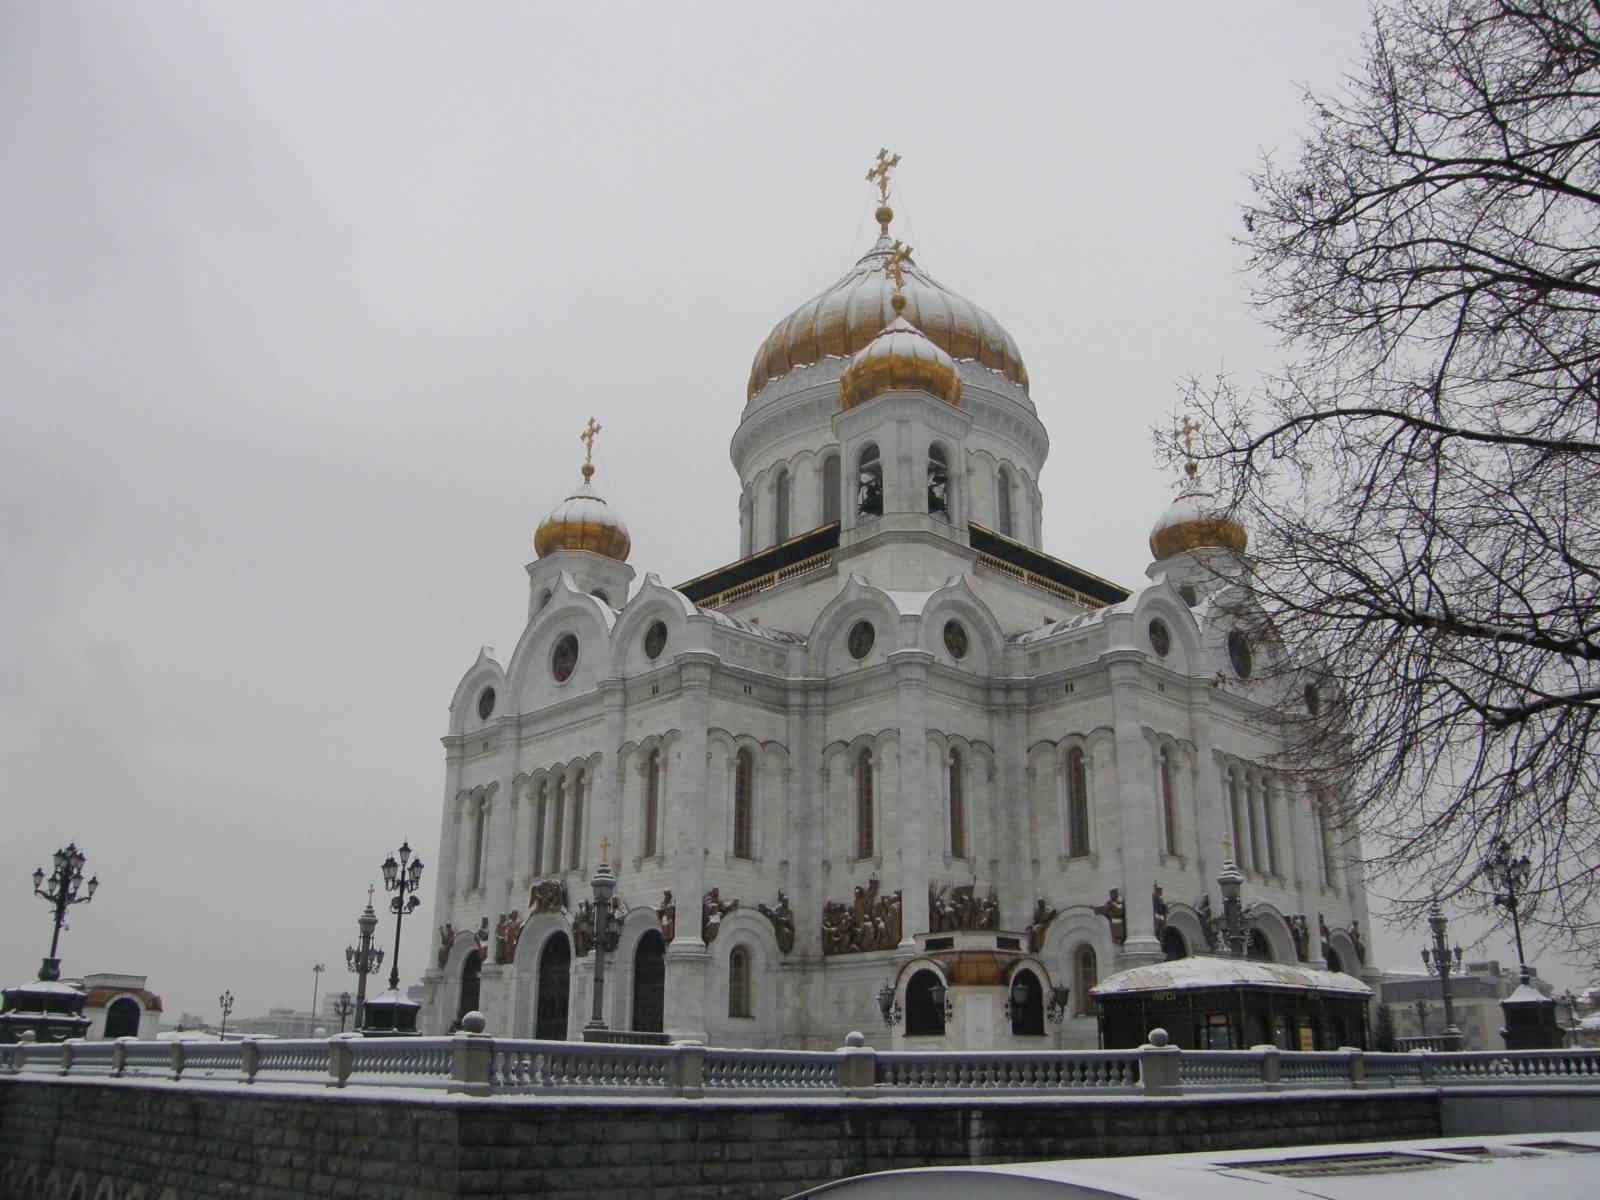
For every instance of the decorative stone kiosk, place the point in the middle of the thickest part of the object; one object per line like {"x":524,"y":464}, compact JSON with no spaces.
{"x":972,"y":990}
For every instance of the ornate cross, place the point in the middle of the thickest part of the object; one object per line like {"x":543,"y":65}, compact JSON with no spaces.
{"x":605,"y":844}
{"x":1188,"y":429}
{"x":897,"y":260}
{"x":590,"y":432}
{"x":369,"y":895}
{"x":880,"y":174}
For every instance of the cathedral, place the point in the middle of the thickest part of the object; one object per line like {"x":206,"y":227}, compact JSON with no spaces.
{"x":896,"y":769}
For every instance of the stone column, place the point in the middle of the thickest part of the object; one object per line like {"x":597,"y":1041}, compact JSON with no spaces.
{"x":915,"y":811}
{"x":1021,"y":843}
{"x":1300,"y":813}
{"x":688,"y":960}
{"x":1136,"y":805}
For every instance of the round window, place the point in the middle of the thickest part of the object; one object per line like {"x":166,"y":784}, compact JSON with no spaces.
{"x":1160,"y":638}
{"x":485,"y":703}
{"x":955,"y":639}
{"x":862,"y":635}
{"x":564,"y":658}
{"x":1239,"y":654}
{"x":655,"y":639}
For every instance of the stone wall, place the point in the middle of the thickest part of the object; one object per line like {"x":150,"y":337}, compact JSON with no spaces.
{"x":132,"y":1141}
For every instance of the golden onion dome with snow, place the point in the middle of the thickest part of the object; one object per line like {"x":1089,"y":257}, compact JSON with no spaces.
{"x":845,"y":319}
{"x":1194,"y":520}
{"x":900,"y":359}
{"x":583,"y":521}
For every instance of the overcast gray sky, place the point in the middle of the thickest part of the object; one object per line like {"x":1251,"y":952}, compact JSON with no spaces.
{"x":303,"y":307}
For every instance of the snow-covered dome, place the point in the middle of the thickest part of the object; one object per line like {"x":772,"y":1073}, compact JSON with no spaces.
{"x":1195,"y":519}
{"x":846,"y":317}
{"x":583,"y":521}
{"x":900,"y":359}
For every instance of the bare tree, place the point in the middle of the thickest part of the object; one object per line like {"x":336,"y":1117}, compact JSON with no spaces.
{"x":1422,"y":479}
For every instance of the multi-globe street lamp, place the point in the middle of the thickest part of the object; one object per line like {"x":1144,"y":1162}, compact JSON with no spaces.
{"x":65,"y":883}
{"x":225,"y":1003}
{"x":604,"y":884}
{"x":401,"y":877}
{"x":1443,"y":964}
{"x":1509,"y":878}
{"x":344,"y":1006}
{"x":364,"y":958}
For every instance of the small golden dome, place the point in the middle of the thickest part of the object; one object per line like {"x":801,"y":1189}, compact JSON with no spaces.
{"x":583,"y":521}
{"x":900,"y":359}
{"x":1193,"y":520}
{"x":844,"y":320}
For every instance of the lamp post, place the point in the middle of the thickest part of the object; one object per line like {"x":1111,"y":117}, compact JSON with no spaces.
{"x":316,"y":978}
{"x":888,"y":1006}
{"x":1230,"y":879}
{"x":62,"y":892}
{"x":225,"y":1003}
{"x":604,"y":884}
{"x":1509,"y":878}
{"x":401,"y":878}
{"x":1442,"y":964}
{"x":344,"y":1006}
{"x":365,"y":959}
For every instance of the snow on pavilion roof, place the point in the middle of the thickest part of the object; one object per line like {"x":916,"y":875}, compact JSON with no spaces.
{"x":1208,"y":971}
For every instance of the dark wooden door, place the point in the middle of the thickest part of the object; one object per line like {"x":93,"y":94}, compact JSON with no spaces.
{"x":555,"y":980}
{"x":649,"y":984}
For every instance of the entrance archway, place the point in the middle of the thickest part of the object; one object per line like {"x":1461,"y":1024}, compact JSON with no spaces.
{"x":469,"y":984}
{"x":649,"y":983}
{"x":1173,"y":944}
{"x":1027,"y":1005}
{"x":122,"y":1018}
{"x":924,"y":1008}
{"x":555,"y":987}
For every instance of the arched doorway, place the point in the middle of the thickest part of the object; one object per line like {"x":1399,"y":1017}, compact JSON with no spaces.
{"x":1258,"y":947}
{"x":649,"y":984}
{"x":1027,"y":1005}
{"x":555,"y":987}
{"x":1173,"y":944}
{"x":924,"y":1004}
{"x":469,"y":984}
{"x":122,"y":1018}
{"x":1335,"y":963}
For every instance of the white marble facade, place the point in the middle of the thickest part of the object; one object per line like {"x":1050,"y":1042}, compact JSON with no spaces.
{"x":1015,"y":724}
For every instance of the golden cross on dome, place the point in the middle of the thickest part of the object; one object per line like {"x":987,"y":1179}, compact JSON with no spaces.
{"x":880,"y":174}
{"x":897,"y":260}
{"x":590,"y":432}
{"x":1188,"y":429}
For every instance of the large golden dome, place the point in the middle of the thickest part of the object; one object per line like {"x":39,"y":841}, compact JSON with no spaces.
{"x":846,"y":317}
{"x":1194,"y":519}
{"x":583,"y":521}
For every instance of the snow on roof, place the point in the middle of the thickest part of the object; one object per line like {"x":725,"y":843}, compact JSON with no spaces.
{"x":908,"y":603}
{"x":750,"y":627}
{"x":1209,"y":971}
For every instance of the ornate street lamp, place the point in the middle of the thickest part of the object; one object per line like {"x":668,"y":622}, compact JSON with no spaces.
{"x":365,"y":959}
{"x":401,"y":878}
{"x":888,"y":1006}
{"x":1442,"y":964}
{"x":344,"y":1006}
{"x":62,"y":892}
{"x":1509,"y":878}
{"x":604,"y":884}
{"x":1059,"y":994}
{"x":1230,"y":879}
{"x":225,"y":1003}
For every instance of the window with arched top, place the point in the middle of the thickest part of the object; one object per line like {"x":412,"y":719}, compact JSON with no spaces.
{"x":122,"y":1018}
{"x":1169,"y":806}
{"x":1325,"y":836}
{"x":541,"y":805}
{"x":1077,"y":804}
{"x":744,"y":770}
{"x":575,"y":843}
{"x":1002,"y":487}
{"x":1085,"y":974}
{"x":1253,"y":798}
{"x":652,"y":801}
{"x":925,"y":997}
{"x":864,"y":804}
{"x":780,"y":507}
{"x":1235,"y":813}
{"x":1173,"y":944}
{"x":480,"y":821}
{"x":1270,"y":827}
{"x":1026,"y":998}
{"x":830,"y":489}
{"x":869,"y":481}
{"x":938,"y":482}
{"x":739,"y":983}
{"x":958,"y":808}
{"x":747,"y":527}
{"x":557,"y":824}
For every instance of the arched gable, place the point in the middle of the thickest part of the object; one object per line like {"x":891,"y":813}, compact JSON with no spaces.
{"x":956,"y":601}
{"x":485,"y":672}
{"x":529,"y":674}
{"x":826,"y":643}
{"x":651,"y":603}
{"x":1271,"y":923}
{"x":1161,"y":602}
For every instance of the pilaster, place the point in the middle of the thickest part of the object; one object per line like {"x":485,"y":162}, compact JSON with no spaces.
{"x":687,"y":958}
{"x":913,"y":807}
{"x":1136,"y":807}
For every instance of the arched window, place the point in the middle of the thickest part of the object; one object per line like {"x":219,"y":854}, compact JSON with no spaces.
{"x":744,"y":769}
{"x":780,"y":507}
{"x":467,"y":998}
{"x":652,"y":802}
{"x":1085,"y":974}
{"x":925,"y":994}
{"x":938,"y":482}
{"x":122,"y":1018}
{"x":1335,"y":963}
{"x":1325,"y":835}
{"x":540,"y":805}
{"x":830,"y":489}
{"x":575,"y":844}
{"x":958,"y":808}
{"x":864,"y":804}
{"x":1002,"y":485}
{"x":1077,"y":804}
{"x":649,"y":983}
{"x":1253,"y":793}
{"x":1173,"y":944}
{"x":480,"y":819}
{"x":555,"y":971}
{"x":1169,"y":807}
{"x":1027,"y":1005}
{"x":1271,"y":827}
{"x":869,"y":482}
{"x":739,"y":983}
{"x":1235,"y":814}
{"x":557,"y":825}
